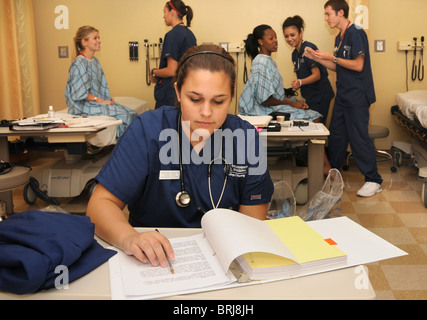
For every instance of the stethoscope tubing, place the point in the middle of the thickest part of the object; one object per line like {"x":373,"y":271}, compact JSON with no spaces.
{"x":184,"y":194}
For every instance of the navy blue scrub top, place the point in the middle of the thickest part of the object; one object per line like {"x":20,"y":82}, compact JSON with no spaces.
{"x":354,"y":88}
{"x":133,"y":172}
{"x":175,"y":45}
{"x":313,"y":92}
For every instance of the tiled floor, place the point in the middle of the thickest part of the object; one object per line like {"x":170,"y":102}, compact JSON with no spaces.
{"x":397,"y":215}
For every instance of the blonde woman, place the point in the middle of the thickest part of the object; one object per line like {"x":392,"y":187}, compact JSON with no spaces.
{"x":87,"y":92}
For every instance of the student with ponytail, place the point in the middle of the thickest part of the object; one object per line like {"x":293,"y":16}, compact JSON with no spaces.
{"x":175,"y":45}
{"x":312,"y":77}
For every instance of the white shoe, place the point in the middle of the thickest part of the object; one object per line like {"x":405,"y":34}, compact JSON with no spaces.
{"x":369,"y":189}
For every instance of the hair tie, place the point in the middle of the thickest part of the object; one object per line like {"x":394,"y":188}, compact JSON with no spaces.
{"x":173,"y":7}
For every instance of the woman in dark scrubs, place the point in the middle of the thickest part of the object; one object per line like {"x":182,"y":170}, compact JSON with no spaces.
{"x":312,"y":77}
{"x":175,"y":45}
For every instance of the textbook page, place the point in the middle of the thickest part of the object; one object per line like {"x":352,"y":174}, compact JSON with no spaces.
{"x":195,"y":266}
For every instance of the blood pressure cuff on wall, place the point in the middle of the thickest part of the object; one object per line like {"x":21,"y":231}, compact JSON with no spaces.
{"x":34,"y":243}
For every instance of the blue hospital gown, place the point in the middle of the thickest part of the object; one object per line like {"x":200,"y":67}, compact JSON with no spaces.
{"x":86,"y":76}
{"x":264,"y":82}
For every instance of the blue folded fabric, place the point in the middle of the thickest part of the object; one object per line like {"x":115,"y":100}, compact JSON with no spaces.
{"x":34,"y":243}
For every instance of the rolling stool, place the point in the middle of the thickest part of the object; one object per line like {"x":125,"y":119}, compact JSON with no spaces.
{"x":15,"y":178}
{"x":377,"y":132}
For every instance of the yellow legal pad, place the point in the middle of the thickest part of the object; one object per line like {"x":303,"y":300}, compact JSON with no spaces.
{"x":304,"y":242}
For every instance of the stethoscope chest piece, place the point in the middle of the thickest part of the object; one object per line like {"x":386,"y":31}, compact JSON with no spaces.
{"x":183,"y":199}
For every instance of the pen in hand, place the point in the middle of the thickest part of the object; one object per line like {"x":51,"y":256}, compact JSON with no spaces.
{"x":169,"y":262}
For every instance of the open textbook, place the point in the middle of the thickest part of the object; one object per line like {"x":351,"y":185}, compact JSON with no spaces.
{"x":257,"y":250}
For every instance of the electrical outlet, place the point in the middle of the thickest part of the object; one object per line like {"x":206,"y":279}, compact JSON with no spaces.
{"x":63,"y":52}
{"x":379,"y":45}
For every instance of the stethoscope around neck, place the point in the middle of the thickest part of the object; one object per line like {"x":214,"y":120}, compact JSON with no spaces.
{"x":183,"y":198}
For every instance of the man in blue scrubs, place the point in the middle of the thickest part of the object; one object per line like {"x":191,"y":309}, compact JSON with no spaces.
{"x":355,"y":94}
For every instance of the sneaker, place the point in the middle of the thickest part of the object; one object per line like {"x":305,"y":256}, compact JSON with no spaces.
{"x":369,"y":189}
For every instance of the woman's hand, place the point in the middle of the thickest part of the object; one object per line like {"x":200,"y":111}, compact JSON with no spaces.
{"x":149,"y":247}
{"x":153,"y":77}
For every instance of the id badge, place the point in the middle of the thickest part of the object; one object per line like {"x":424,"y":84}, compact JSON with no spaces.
{"x":169,"y":175}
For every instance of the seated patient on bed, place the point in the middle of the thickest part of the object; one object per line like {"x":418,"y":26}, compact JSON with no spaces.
{"x":264,"y":92}
{"x":87,"y":92}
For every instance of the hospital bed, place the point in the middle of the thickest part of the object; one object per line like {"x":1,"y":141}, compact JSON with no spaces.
{"x":411,"y":113}
{"x":83,"y":159}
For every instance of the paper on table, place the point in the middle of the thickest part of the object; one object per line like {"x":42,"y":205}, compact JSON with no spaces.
{"x":257,"y":121}
{"x":193,"y":266}
{"x":361,"y":245}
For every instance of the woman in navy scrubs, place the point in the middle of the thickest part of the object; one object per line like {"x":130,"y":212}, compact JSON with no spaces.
{"x":171,"y":150}
{"x":175,"y":45}
{"x":312,"y":77}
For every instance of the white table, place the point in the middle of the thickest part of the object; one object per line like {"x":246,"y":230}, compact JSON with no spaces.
{"x":338,"y":285}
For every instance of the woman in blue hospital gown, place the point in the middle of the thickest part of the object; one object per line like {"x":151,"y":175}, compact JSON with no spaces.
{"x":87,"y":92}
{"x":264,"y":92}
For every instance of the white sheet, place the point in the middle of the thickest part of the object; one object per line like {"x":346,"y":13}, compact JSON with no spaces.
{"x":108,"y":136}
{"x":413,"y":105}
{"x":135,"y":104}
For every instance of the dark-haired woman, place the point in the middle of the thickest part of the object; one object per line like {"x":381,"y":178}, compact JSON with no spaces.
{"x":140,"y":173}
{"x":312,"y":77}
{"x":264,"y":92}
{"x":175,"y":45}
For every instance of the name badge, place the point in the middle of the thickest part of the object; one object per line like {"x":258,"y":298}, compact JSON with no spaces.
{"x":170,"y":175}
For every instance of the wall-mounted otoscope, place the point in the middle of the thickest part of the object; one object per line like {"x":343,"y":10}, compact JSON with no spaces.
{"x":421,"y":61}
{"x":414,"y":61}
{"x":147,"y":62}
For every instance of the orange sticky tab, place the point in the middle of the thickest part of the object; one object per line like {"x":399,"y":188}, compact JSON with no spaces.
{"x":331,"y":242}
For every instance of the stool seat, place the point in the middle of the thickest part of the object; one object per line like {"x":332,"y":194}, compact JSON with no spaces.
{"x":17,"y":177}
{"x":378,"y":132}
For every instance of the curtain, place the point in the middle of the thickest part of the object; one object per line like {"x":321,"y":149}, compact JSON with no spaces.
{"x":19,"y":88}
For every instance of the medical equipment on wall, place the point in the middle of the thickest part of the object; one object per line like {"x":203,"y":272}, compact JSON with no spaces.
{"x":152,"y":52}
{"x":183,"y":198}
{"x":133,"y":51}
{"x":417,"y":72}
{"x":421,"y":61}
{"x":147,"y":62}
{"x":414,"y":61}
{"x":157,"y":51}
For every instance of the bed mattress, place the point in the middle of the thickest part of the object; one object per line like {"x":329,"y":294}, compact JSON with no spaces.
{"x":135,"y":104}
{"x":413,"y":104}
